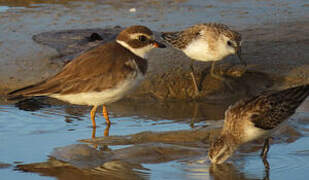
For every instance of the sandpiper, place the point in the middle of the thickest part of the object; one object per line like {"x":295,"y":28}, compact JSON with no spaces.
{"x":101,"y":75}
{"x":254,"y":118}
{"x":206,"y":42}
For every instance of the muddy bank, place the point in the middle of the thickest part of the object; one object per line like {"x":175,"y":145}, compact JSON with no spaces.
{"x":280,"y":59}
{"x":275,"y":43}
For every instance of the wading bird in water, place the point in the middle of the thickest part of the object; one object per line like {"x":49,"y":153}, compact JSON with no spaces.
{"x":101,"y":75}
{"x":254,"y":118}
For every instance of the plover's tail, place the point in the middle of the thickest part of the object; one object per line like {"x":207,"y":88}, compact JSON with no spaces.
{"x":28,"y":91}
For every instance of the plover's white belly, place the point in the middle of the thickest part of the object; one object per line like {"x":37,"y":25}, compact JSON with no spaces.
{"x":104,"y":97}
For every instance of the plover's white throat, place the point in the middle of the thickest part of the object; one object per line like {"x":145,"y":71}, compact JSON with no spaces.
{"x":206,"y":42}
{"x":101,"y":75}
{"x":254,"y":118}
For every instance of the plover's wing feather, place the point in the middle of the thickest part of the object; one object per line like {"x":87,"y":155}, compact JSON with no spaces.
{"x":91,"y":71}
{"x":268,"y":111}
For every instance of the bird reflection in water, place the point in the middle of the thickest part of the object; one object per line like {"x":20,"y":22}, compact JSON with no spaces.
{"x":228,"y":171}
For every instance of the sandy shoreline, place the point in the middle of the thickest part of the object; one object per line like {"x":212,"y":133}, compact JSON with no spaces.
{"x":277,"y":54}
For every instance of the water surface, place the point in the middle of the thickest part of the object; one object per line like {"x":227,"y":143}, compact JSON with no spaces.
{"x":32,"y":136}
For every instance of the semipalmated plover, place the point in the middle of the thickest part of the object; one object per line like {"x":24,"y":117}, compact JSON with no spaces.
{"x":254,"y":118}
{"x":101,"y":75}
{"x":206,"y":42}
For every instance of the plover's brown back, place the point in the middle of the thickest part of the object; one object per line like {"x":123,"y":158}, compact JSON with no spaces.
{"x":101,"y":75}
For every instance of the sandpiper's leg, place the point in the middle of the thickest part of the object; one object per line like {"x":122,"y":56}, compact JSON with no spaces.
{"x":194,"y":80}
{"x":105,"y":114}
{"x":264,"y":153}
{"x":266,"y":165}
{"x":92,"y":115}
{"x":212,"y":72}
{"x":265,"y":149}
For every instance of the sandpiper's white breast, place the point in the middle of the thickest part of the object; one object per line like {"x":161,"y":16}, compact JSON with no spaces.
{"x":251,"y":132}
{"x":198,"y":50}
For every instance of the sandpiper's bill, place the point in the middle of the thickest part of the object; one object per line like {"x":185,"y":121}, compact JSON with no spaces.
{"x":254,"y":118}
{"x":206,"y":42}
{"x":101,"y":75}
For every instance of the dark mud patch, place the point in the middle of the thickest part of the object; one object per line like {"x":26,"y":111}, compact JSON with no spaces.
{"x":72,"y":42}
{"x":183,"y":137}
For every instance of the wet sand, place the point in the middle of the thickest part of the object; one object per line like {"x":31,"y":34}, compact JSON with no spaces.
{"x":277,"y":52}
{"x":163,"y":130}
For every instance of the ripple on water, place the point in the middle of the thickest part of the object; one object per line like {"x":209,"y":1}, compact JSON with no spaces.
{"x":283,"y":159}
{"x":4,"y":8}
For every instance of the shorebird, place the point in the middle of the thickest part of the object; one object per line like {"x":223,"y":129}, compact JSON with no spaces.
{"x":101,"y":75}
{"x":206,"y":42}
{"x":255,"y":118}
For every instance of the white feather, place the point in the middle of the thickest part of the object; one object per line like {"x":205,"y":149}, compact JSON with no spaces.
{"x":252,"y":132}
{"x":103,"y":97}
{"x":198,"y":50}
{"x":141,"y":52}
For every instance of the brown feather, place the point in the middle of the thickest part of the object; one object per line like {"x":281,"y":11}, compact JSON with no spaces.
{"x":181,"y":39}
{"x":269,"y":110}
{"x":95,"y":70}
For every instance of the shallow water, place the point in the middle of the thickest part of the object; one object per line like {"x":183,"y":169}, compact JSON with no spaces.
{"x":159,"y":14}
{"x":31,"y":136}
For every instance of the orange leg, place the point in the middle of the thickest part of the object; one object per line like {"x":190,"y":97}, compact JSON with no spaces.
{"x":92,"y":115}
{"x":93,"y":133}
{"x":105,"y":114}
{"x":95,"y":146}
{"x":106,"y":131}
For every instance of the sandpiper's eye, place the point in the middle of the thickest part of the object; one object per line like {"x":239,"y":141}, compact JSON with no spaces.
{"x":229,"y":43}
{"x":142,"y":38}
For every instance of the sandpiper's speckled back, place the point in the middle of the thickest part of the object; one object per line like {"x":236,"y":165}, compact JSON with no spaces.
{"x":182,"y":38}
{"x":268,"y":111}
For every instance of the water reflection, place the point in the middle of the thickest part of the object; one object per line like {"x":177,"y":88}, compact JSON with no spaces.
{"x":83,"y":161}
{"x":191,"y":112}
{"x":154,"y":110}
{"x":64,"y":171}
{"x":4,"y":8}
{"x":135,"y":146}
{"x":228,"y":171}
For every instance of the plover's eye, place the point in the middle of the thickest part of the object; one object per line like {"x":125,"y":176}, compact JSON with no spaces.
{"x":229,"y":43}
{"x":142,"y":38}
